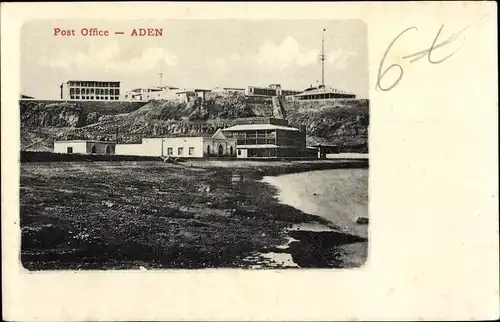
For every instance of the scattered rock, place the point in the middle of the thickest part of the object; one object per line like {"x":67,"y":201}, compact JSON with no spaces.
{"x":362,"y":221}
{"x":108,"y":203}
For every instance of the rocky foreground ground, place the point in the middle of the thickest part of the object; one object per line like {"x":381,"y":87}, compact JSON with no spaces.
{"x":127,"y":215}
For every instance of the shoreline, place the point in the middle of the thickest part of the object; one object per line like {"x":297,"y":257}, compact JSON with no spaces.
{"x":339,"y":210}
{"x":156,"y":215}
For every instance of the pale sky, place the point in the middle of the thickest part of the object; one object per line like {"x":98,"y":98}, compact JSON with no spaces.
{"x":196,"y":53}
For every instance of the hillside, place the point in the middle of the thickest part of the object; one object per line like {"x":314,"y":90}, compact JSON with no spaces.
{"x":343,"y":122}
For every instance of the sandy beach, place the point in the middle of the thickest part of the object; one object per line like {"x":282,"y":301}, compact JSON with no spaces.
{"x":127,"y":215}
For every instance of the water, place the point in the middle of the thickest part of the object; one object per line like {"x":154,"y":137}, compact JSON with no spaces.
{"x":340,"y":195}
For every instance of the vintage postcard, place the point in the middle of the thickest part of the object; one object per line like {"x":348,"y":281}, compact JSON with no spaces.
{"x":247,"y":152}
{"x":245,"y":146}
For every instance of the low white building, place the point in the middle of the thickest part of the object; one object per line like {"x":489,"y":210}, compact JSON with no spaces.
{"x":153,"y":93}
{"x":84,"y":147}
{"x":188,"y":147}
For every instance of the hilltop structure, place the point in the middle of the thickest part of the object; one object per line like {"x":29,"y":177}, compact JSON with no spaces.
{"x":151,"y":93}
{"x":322,"y":92}
{"x":90,"y":90}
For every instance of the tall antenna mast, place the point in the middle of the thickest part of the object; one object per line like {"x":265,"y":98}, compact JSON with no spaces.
{"x":161,"y":74}
{"x":322,"y":57}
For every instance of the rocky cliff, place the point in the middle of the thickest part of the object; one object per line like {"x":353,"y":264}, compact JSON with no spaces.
{"x":339,"y":122}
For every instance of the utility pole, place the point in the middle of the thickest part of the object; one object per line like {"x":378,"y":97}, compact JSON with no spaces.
{"x":322,"y":57}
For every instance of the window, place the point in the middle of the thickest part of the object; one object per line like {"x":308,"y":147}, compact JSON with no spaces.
{"x":239,"y":152}
{"x":180,"y":151}
{"x":72,"y":97}
{"x":191,"y":150}
{"x":69,"y":149}
{"x":170,"y":151}
{"x":93,"y":149}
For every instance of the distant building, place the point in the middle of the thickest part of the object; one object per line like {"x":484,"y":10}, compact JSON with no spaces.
{"x":188,"y":94}
{"x":226,"y":91}
{"x":26,"y":97}
{"x":271,"y":90}
{"x":84,"y":147}
{"x":275,"y":139}
{"x":152,"y":93}
{"x":322,"y":92}
{"x":323,"y":149}
{"x":189,"y":147}
{"x":90,"y":90}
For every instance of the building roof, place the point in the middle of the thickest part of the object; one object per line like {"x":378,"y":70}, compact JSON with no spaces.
{"x":229,"y":88}
{"x":93,"y":81}
{"x":323,"y":146}
{"x":179,"y":137}
{"x":153,"y":88}
{"x":265,"y":146}
{"x":323,"y":90}
{"x":219,"y":135}
{"x":82,"y":141}
{"x":253,"y":127}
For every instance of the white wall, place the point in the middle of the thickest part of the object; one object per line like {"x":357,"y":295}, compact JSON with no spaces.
{"x":185,"y":143}
{"x":78,"y":147}
{"x":153,"y":147}
{"x":149,"y":147}
{"x":129,"y":149}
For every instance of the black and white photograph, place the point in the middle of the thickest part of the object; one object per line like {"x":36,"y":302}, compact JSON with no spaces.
{"x":184,"y":144}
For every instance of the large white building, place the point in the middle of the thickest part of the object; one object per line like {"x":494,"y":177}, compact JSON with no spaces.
{"x":90,"y":90}
{"x":189,"y":147}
